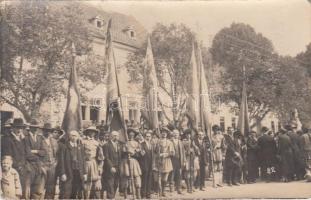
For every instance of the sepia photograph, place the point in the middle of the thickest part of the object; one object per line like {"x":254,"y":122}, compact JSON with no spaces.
{"x":155,"y":99}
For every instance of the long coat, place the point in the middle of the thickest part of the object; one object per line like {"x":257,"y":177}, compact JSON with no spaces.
{"x":10,"y":146}
{"x":267,"y":150}
{"x":112,"y":157}
{"x":305,"y":146}
{"x":179,"y":158}
{"x":145,"y":160}
{"x":286,"y":153}
{"x":65,"y":158}
{"x":203,"y":151}
{"x":252,"y":149}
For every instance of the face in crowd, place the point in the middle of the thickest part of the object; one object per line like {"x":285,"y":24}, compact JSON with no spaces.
{"x":33,"y":129}
{"x":18,"y":131}
{"x":164,"y":134}
{"x":229,"y":131}
{"x":131,"y":135}
{"x":148,"y":137}
{"x":6,"y":163}
{"x":114,"y":136}
{"x":176,"y":134}
{"x":73,"y":136}
{"x":201,"y":135}
{"x":46,"y":133}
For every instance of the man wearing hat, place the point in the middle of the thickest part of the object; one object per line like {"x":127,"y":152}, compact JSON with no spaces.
{"x":294,"y":137}
{"x":112,"y":154}
{"x":267,"y":152}
{"x":50,"y":160}
{"x":35,"y":179}
{"x":285,"y":151}
{"x":14,"y":145}
{"x":94,"y":163}
{"x":162,"y":164}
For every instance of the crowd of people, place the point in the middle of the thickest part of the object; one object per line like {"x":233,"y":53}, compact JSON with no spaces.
{"x":38,"y":161}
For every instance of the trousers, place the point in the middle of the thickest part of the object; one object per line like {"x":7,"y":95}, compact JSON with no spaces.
{"x":71,"y":188}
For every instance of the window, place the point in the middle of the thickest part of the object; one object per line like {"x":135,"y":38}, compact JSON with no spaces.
{"x":222,"y":124}
{"x":93,"y":113}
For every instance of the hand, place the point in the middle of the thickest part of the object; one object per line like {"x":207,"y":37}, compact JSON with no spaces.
{"x":63,"y":178}
{"x":113,"y":170}
{"x":142,"y":152}
{"x":85,"y":177}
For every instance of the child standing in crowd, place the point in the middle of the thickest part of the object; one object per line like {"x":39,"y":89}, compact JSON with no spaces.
{"x":10,"y":183}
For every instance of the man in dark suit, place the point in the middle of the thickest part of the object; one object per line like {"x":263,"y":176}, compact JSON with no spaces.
{"x":233,"y":158}
{"x":35,"y":179}
{"x":286,"y":153}
{"x":267,"y":152}
{"x":13,"y":144}
{"x":145,"y":161}
{"x":178,"y":161}
{"x":294,"y":137}
{"x":71,"y":167}
{"x":252,"y":158}
{"x":203,"y":145}
{"x":112,"y":153}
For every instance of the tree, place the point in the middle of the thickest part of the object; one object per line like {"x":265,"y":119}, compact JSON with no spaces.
{"x":268,"y":83}
{"x":171,"y":47}
{"x":304,"y":58}
{"x":37,"y":37}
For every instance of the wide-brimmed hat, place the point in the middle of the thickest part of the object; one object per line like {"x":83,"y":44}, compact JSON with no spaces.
{"x":134,"y":130}
{"x":91,"y":129}
{"x":48,"y":127}
{"x":34,"y":123}
{"x":18,"y":122}
{"x":8,"y":123}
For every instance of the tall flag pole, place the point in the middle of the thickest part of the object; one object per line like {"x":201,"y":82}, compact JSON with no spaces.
{"x":115,"y":116}
{"x":205,"y":104}
{"x":73,"y":116}
{"x":151,"y":85}
{"x":194,"y":93}
{"x":243,"y":123}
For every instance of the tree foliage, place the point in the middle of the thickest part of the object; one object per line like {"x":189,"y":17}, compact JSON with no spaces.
{"x":171,"y":46}
{"x":273,"y":83}
{"x":37,"y":38}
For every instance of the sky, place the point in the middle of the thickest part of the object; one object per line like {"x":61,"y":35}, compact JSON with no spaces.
{"x":287,"y":23}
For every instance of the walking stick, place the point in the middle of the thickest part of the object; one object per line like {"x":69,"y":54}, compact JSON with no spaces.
{"x":190,"y":167}
{"x":159,"y":168}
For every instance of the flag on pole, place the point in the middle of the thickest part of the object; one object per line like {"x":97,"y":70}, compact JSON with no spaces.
{"x":151,"y":85}
{"x":193,"y":98}
{"x":73,"y":117}
{"x":115,"y":117}
{"x":243,"y":122}
{"x":205,"y":104}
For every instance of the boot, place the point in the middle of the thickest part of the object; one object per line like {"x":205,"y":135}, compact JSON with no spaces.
{"x":138,"y":193}
{"x":188,"y":186}
{"x":178,"y":189}
{"x":171,"y":187}
{"x":163,"y":188}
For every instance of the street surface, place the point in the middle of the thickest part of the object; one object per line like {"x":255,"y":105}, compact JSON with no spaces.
{"x":297,"y":189}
